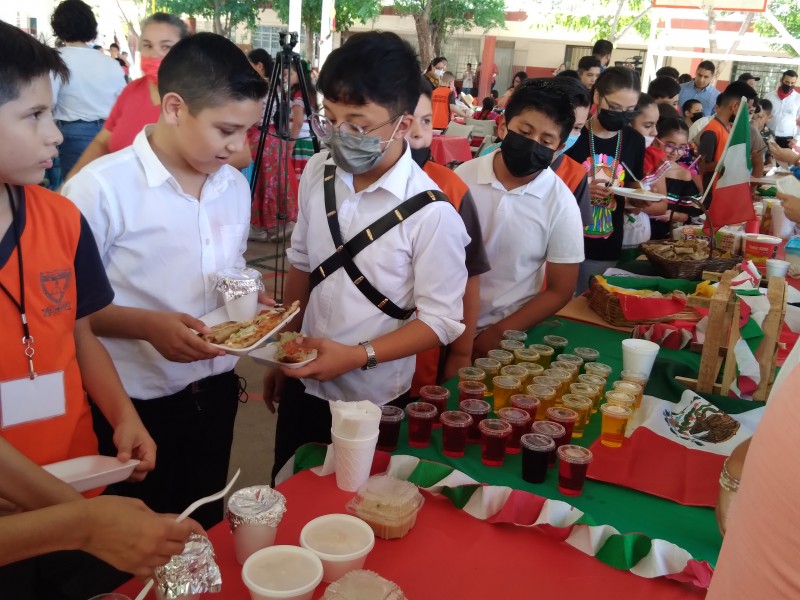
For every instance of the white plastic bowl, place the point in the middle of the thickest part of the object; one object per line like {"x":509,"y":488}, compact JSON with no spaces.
{"x":282,"y":573}
{"x":342,"y":543}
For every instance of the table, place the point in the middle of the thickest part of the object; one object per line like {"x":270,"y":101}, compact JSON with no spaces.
{"x":448,"y":541}
{"x":449,"y":148}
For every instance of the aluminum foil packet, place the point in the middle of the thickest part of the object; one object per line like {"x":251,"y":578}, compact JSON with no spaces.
{"x":235,"y":283}
{"x":256,"y":505}
{"x":193,"y":572}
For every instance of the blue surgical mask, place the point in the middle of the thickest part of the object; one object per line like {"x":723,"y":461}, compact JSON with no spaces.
{"x":573,"y":137}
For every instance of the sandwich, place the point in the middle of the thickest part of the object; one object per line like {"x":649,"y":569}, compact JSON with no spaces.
{"x":243,"y":334}
{"x":289,"y":351}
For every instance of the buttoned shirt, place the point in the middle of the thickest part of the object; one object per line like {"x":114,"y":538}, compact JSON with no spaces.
{"x":161,"y":247}
{"x":419,"y":262}
{"x":95,"y":81}
{"x":785,"y":113}
{"x":707,"y":96}
{"x":523,"y":229}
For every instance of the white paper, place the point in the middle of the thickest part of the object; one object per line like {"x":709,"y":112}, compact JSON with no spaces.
{"x":26,"y":400}
{"x":355,"y":420}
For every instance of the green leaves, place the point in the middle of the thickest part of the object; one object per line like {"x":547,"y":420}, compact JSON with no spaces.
{"x":348,"y":12}
{"x":225,"y":15}
{"x":787,"y":13}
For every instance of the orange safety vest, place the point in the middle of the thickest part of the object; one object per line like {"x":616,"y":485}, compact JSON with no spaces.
{"x":440,"y":101}
{"x":718,"y":129}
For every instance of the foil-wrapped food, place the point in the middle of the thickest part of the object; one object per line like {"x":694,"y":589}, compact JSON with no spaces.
{"x":235,"y":283}
{"x":193,"y":572}
{"x":258,"y":505}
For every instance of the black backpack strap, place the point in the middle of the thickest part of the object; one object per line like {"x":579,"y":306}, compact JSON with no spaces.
{"x":343,"y":257}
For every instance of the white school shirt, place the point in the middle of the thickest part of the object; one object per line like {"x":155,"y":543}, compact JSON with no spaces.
{"x":95,"y":81}
{"x":419,"y":262}
{"x":522,"y":229}
{"x":160,"y":247}
{"x":785,"y":114}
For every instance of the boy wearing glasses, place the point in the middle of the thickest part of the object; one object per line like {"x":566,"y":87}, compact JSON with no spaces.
{"x":377,"y":261}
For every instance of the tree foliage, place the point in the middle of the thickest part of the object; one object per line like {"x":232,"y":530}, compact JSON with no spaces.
{"x":436,"y":20}
{"x":786,"y":11}
{"x":610,"y":21}
{"x":224,"y":15}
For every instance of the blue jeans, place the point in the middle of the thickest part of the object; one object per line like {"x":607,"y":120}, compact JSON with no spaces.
{"x":77,"y":136}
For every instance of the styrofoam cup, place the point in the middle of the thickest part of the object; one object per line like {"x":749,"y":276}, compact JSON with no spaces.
{"x":243,"y":308}
{"x":777,"y":268}
{"x":639,"y":355}
{"x":352,"y":460}
{"x":282,"y":573}
{"x":250,"y":537}
{"x":342,"y":543}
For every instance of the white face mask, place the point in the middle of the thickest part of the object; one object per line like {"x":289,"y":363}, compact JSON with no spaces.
{"x":438,"y":72}
{"x":648,"y":139}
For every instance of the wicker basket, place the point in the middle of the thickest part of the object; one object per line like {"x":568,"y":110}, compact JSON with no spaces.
{"x":606,"y":304}
{"x":689,"y":269}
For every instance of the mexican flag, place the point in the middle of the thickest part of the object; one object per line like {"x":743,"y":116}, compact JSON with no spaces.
{"x":733,"y":202}
{"x":676,"y":451}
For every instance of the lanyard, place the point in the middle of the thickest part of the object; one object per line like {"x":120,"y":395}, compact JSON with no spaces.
{"x":27,"y":338}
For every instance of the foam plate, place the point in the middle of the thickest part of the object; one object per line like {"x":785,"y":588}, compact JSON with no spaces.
{"x":637,"y":194}
{"x":220,"y":315}
{"x":266,"y":356}
{"x":90,"y":472}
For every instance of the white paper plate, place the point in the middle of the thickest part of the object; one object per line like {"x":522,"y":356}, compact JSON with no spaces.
{"x":215,"y":317}
{"x":637,"y":194}
{"x":764,"y":180}
{"x":91,"y":472}
{"x":266,"y":356}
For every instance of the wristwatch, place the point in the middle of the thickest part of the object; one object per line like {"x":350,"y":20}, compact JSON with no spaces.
{"x":372,"y":359}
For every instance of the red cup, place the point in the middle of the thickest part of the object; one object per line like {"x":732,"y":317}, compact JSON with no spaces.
{"x":471,"y":390}
{"x":573,"y":462}
{"x":494,"y":435}
{"x":527,"y":403}
{"x":520,"y":422}
{"x":421,"y":416}
{"x":555,"y":431}
{"x":455,"y":425}
{"x":478,"y":410}
{"x":389,"y":428}
{"x":436,"y":395}
{"x":563,"y":416}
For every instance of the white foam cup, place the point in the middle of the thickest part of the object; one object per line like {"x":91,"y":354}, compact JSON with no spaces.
{"x":777,"y":268}
{"x":352,"y":460}
{"x":639,"y":355}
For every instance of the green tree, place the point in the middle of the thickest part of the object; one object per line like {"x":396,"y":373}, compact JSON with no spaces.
{"x":436,"y":20}
{"x":348,"y":13}
{"x":628,"y":14}
{"x":224,"y":15}
{"x":787,"y":13}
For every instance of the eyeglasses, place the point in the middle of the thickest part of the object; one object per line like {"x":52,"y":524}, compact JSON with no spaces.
{"x":631,"y":113}
{"x":681,"y":150}
{"x":324,"y":128}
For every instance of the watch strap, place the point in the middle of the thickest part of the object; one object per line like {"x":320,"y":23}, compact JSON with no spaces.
{"x":372,"y":359}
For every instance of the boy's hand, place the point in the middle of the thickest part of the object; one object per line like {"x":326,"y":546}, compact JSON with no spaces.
{"x":133,"y":441}
{"x":171,"y":334}
{"x":488,"y":339}
{"x":126,"y":534}
{"x":333,"y":359}
{"x":273,"y":387}
{"x":598,"y":190}
{"x":791,"y":206}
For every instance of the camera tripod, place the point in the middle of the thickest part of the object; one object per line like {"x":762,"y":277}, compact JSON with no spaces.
{"x":279,"y":106}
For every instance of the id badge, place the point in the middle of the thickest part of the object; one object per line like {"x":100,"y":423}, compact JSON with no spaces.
{"x":27,"y":400}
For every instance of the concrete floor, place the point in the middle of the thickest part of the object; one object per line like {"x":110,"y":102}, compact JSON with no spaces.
{"x":254,"y":434}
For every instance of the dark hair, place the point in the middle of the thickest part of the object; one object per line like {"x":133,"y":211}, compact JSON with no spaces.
{"x":668,"y":72}
{"x":494,"y":94}
{"x":436,"y":59}
{"x":571,"y":73}
{"x":387,"y":73}
{"x":766,"y":105}
{"x":312,"y":91}
{"x":73,"y":21}
{"x":617,"y":78}
{"x":644,"y":101}
{"x":735,"y":91}
{"x":665,"y":111}
{"x":588,"y":62}
{"x":262,"y":57}
{"x":22,"y":59}
{"x":684,"y":78}
{"x":663,"y":87}
{"x":427,"y":87}
{"x":668,"y":125}
{"x":167,"y":19}
{"x":689,"y":103}
{"x":113,"y":45}
{"x":207,"y":70}
{"x":521,"y":75}
{"x":544,"y":97}
{"x":602,"y":48}
{"x":488,"y":104}
{"x":572,"y":88}
{"x":789,"y":73}
{"x":706,"y":65}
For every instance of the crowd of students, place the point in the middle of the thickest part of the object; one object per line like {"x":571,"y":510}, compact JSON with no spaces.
{"x":105,"y":284}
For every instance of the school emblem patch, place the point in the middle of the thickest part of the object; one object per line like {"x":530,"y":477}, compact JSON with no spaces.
{"x":701,"y":423}
{"x":54,"y":286}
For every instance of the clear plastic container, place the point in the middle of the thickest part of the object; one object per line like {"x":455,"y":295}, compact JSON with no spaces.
{"x":388,"y":505}
{"x":363,"y":585}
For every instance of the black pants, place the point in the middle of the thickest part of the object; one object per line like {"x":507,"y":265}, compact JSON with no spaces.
{"x":783,"y":142}
{"x":304,"y":419}
{"x":193,"y":430}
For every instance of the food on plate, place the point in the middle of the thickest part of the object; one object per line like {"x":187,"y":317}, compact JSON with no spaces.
{"x":388,"y":505}
{"x":247,"y":333}
{"x":289,"y":351}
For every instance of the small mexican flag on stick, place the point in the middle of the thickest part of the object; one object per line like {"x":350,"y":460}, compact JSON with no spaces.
{"x":733,"y":202}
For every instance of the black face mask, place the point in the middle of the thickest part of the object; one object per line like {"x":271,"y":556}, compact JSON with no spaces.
{"x":786,"y":88}
{"x":614,"y":120}
{"x":524,"y":157}
{"x":421,"y":155}
{"x":696,"y":117}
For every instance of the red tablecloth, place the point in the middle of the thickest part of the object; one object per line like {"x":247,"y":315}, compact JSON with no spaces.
{"x":450,"y":554}
{"x":446,"y":149}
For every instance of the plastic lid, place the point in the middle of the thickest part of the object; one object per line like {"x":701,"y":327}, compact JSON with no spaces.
{"x":472,"y":386}
{"x":385,"y":500}
{"x":591,"y":379}
{"x":636,"y":376}
{"x":627,"y":386}
{"x":515,"y":416}
{"x":475,"y":407}
{"x":599,"y":367}
{"x":587,"y":354}
{"x":363,"y":585}
{"x":562,"y":415}
{"x":523,"y":401}
{"x":542,"y":349}
{"x":495,"y":427}
{"x":617,"y":411}
{"x":526,"y":355}
{"x":507,"y":382}
{"x":576,"y":402}
{"x":514,"y":371}
{"x":391,"y":414}
{"x":513,"y":334}
{"x":422,"y":410}
{"x":555,"y":339}
{"x":547,"y":381}
{"x":550,"y":428}
{"x":543,"y":392}
{"x":487,"y":363}
{"x":471,"y":373}
{"x":558,"y":373}
{"x":618,"y":397}
{"x":573,"y":358}
{"x":564,"y":365}
{"x":575,"y":454}
{"x":511,"y":345}
{"x":582,"y":388}
{"x":500,"y":355}
{"x":456,"y":418}
{"x":434,"y":391}
{"x":537,"y":442}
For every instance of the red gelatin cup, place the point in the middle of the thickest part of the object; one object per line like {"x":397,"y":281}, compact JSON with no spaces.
{"x":563,"y":416}
{"x":478,"y":410}
{"x":455,"y":425}
{"x":436,"y":395}
{"x":573,"y":462}
{"x":520,"y":422}
{"x":421,"y":416}
{"x":389,"y":428}
{"x":494,"y":434}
